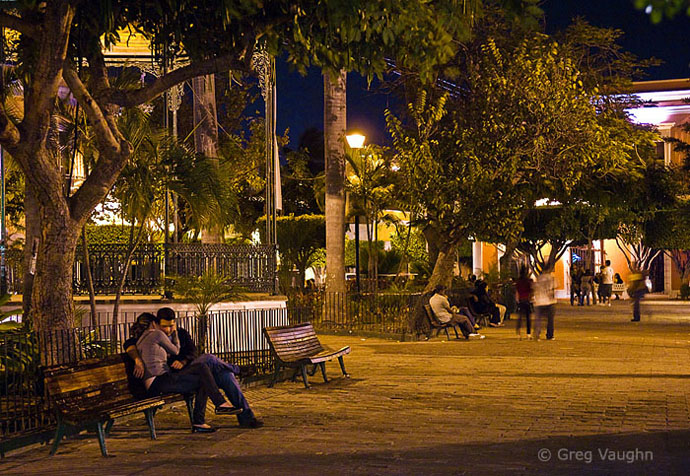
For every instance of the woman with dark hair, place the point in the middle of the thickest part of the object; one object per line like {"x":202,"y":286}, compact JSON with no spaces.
{"x":154,"y":346}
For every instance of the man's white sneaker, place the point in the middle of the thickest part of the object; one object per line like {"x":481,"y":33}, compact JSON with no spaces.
{"x":477,"y":336}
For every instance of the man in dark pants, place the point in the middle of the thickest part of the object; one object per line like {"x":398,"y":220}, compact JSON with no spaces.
{"x":223,"y":373}
{"x":637,"y":290}
{"x":545,"y":302}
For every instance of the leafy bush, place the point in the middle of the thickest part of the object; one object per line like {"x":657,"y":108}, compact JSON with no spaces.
{"x":105,"y":234}
{"x":684,"y":291}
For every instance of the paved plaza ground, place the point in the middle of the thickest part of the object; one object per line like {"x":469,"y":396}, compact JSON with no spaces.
{"x":607,"y":396}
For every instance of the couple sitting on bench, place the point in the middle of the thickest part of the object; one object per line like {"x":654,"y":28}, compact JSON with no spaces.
{"x":166,"y":359}
{"x":454,"y":316}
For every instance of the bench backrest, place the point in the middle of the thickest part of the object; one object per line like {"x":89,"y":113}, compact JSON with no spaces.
{"x":89,"y":383}
{"x":433,"y":320}
{"x":291,"y":343}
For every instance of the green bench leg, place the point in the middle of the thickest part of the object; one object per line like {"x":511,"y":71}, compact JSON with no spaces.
{"x":108,"y":427}
{"x":303,"y":368}
{"x":342,"y":366}
{"x":150,"y":422}
{"x":447,"y":335}
{"x":101,"y":438}
{"x":189,"y":402}
{"x":59,"y":433}
{"x":275,"y":376}
{"x":323,"y":371}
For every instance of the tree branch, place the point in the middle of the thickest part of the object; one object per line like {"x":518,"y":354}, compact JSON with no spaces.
{"x":165,"y":82}
{"x":93,"y":111}
{"x":99,"y":81}
{"x":19,"y":24}
{"x":114,"y":148}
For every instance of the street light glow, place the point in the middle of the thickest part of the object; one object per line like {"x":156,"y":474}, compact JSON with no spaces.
{"x":355,"y":141}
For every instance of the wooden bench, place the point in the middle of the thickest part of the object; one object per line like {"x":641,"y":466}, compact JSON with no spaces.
{"x":297,"y":346}
{"x":438,"y":325}
{"x":95,"y":392}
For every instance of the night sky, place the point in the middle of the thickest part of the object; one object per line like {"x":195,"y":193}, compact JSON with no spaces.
{"x":300,"y":99}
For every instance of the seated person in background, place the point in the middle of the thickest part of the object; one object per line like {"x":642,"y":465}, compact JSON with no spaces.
{"x":444,"y":313}
{"x":618,"y":286}
{"x":223,"y":373}
{"x":154,"y":346}
{"x":483,"y":304}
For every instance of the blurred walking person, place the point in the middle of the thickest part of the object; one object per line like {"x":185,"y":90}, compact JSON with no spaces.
{"x":637,"y":290}
{"x":545,"y":303}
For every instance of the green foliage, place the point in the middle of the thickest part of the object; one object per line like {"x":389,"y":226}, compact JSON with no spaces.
{"x":318,"y":259}
{"x":413,"y":248}
{"x":663,"y":8}
{"x":685,"y":291}
{"x":298,"y":184}
{"x":299,"y":239}
{"x":18,"y":354}
{"x":521,"y":126}
{"x":242,"y":162}
{"x":332,"y":35}
{"x":206,"y":290}
{"x":103,"y":234}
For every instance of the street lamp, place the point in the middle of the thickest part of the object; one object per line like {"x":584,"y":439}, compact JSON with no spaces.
{"x":356,"y":141}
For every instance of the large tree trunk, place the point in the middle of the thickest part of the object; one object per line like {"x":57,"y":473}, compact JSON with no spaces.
{"x":206,"y":132}
{"x":335,"y":108}
{"x":433,"y":243}
{"x":52,"y":305}
{"x":33,"y":233}
{"x":443,"y":269}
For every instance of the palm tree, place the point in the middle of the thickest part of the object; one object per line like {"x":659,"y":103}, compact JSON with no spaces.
{"x":204,"y":291}
{"x":160,"y":163}
{"x":369,"y":185}
{"x":206,"y":133}
{"x":335,"y":109}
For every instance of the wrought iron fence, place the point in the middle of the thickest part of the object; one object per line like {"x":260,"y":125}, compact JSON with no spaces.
{"x":372,"y":312}
{"x":234,"y":336}
{"x":252,"y":267}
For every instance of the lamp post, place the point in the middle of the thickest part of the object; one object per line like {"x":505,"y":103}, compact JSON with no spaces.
{"x":356,"y":142}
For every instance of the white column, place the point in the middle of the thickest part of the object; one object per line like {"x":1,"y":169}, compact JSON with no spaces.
{"x":477,"y":257}
{"x":668,"y":270}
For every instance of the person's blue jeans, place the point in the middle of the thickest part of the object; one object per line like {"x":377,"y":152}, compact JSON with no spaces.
{"x":224,"y":375}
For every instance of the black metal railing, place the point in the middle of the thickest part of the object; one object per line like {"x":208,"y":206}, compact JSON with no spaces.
{"x":372,"y":312}
{"x":234,"y":336}
{"x":252,"y":267}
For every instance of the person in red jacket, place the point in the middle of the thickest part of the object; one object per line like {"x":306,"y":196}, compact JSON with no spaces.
{"x":524,"y":291}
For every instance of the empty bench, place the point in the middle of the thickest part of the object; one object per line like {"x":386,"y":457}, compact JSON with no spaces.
{"x":93,"y":393}
{"x":297,"y":346}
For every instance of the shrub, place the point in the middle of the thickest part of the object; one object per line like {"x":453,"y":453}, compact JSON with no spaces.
{"x":685,"y":291}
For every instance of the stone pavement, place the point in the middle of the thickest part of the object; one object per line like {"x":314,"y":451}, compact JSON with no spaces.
{"x":606,"y":397}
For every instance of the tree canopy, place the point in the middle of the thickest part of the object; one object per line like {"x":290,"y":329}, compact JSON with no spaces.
{"x":62,"y":42}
